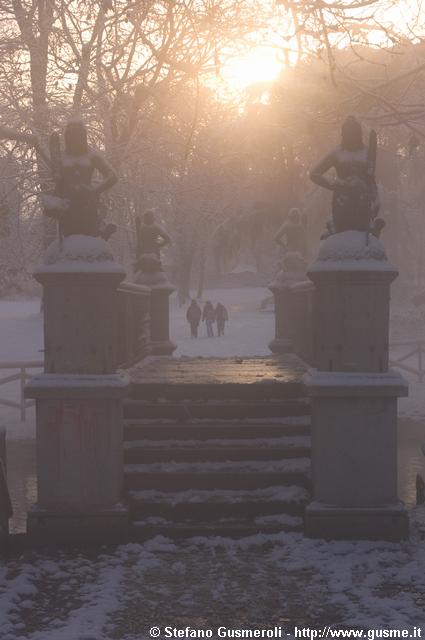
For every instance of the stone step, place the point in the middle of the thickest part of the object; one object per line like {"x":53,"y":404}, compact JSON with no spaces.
{"x":198,"y":429}
{"x":220,"y":391}
{"x":207,"y":506}
{"x":223,"y":480}
{"x":211,"y":475}
{"x":223,"y":379}
{"x":144,"y":529}
{"x":215,"y":410}
{"x":148,"y":451}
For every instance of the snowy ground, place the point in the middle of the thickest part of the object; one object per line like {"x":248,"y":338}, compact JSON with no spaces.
{"x":248,"y":331}
{"x":254,"y":583}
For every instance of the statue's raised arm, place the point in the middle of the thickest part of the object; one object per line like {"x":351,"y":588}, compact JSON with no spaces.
{"x":7,"y":133}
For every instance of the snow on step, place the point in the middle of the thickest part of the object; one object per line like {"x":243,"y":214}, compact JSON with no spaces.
{"x":284,"y":520}
{"x":288,"y":495}
{"x":298,"y":465}
{"x":282,"y":442}
{"x":220,"y":410}
{"x":281,"y":519}
{"x":273,"y":420}
{"x":202,"y":530}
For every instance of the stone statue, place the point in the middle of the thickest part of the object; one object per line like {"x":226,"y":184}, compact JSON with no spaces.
{"x":74,"y":201}
{"x":291,"y":236}
{"x":151,"y":238}
{"x":355,"y":201}
{"x":76,"y":198}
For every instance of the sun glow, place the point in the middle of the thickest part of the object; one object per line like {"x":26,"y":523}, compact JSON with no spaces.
{"x":260,"y":64}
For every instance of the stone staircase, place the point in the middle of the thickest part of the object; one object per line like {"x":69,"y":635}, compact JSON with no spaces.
{"x":210,"y":466}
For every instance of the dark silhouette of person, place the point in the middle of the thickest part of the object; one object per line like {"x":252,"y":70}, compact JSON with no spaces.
{"x":208,"y":315}
{"x":193,"y":316}
{"x":222,"y":317}
{"x":355,"y":199}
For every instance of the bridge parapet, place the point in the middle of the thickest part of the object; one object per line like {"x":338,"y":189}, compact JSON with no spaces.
{"x":159,"y":311}
{"x":353,"y":394}
{"x":133,"y":335}
{"x":293,"y":302}
{"x":79,"y":397}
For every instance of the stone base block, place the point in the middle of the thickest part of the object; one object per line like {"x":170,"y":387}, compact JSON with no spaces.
{"x":162,"y":348}
{"x":108,"y":525}
{"x":79,"y":441}
{"x":389,"y":522}
{"x":281,"y":345}
{"x":4,"y":535}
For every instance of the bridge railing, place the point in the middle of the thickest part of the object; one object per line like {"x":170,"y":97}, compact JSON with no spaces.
{"x":133,"y":345}
{"x":405,"y":355}
{"x":6,"y":510}
{"x":133,"y":323}
{"x":301,"y":319}
{"x":20,"y":374}
{"x":409,"y":356}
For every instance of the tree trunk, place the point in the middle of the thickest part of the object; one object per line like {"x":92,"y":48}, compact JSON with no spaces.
{"x":201,"y":280}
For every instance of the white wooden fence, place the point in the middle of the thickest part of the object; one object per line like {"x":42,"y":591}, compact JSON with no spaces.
{"x":408,"y":355}
{"x":20,"y":374}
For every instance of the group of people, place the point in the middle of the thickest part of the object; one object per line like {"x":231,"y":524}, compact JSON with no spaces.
{"x":209,"y":315}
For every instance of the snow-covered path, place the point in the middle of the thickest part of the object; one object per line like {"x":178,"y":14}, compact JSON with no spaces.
{"x":260,"y":582}
{"x":21,"y":330}
{"x":247,"y":333}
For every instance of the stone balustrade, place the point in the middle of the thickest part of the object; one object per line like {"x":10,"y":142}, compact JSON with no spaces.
{"x":133,"y":334}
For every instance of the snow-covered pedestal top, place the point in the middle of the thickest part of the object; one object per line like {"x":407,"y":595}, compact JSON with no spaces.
{"x":349,"y":384}
{"x":288,"y":278}
{"x":79,"y":254}
{"x":351,"y":251}
{"x":156,"y":280}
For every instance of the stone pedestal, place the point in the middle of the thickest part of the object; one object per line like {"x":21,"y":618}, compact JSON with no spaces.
{"x":79,"y":397}
{"x":281,"y":287}
{"x":353,"y":395}
{"x":161,"y":289}
{"x":5,"y":504}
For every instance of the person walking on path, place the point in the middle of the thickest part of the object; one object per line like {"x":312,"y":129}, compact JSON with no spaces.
{"x":222,"y":317}
{"x":208,"y":315}
{"x":193,"y":316}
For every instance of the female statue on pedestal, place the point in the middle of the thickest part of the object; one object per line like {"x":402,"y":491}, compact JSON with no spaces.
{"x":75,"y":199}
{"x":355,"y":202}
